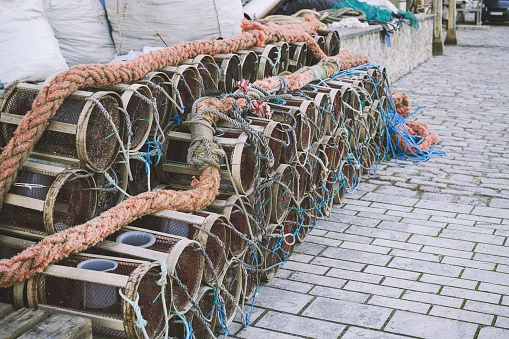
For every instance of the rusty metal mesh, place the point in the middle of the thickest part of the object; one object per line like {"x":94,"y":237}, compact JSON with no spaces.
{"x":250,"y":67}
{"x":207,"y":307}
{"x":107,"y":195}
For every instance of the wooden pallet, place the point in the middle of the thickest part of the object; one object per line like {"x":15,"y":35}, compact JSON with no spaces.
{"x":29,"y":323}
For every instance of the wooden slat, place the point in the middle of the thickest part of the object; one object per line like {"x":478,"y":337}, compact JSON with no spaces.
{"x":15,"y":241}
{"x":16,"y":323}
{"x":86,"y":275}
{"x":181,"y":216}
{"x":19,"y":200}
{"x":56,"y":126}
{"x":61,"y":326}
{"x":43,"y":167}
{"x":134,"y":251}
{"x":115,"y":324}
{"x":4,"y":309}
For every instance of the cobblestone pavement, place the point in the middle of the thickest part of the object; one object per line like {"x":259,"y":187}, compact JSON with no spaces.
{"x":421,"y":251}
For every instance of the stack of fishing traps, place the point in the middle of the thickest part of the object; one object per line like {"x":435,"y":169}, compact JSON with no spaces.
{"x":303,"y":152}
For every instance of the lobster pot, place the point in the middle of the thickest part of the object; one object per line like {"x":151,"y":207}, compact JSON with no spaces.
{"x":310,"y":111}
{"x":282,"y":193}
{"x":298,"y":56}
{"x":162,"y":92}
{"x":144,"y":176}
{"x":334,"y":148}
{"x":174,"y":170}
{"x":350,"y":96}
{"x":308,"y":212}
{"x":301,"y":182}
{"x":230,"y":71}
{"x":181,"y":255}
{"x":108,"y":194}
{"x":332,"y":41}
{"x":208,"y":69}
{"x":79,"y":132}
{"x":186,"y":83}
{"x":15,"y":295}
{"x":71,"y":288}
{"x":261,"y":202}
{"x":289,"y":227}
{"x":273,"y":255}
{"x":318,"y":164}
{"x":237,"y":210}
{"x":369,"y":154}
{"x":320,"y":40}
{"x":269,"y":61}
{"x":249,"y":65}
{"x":206,"y":301}
{"x":332,"y":122}
{"x":289,"y":124}
{"x":190,"y":226}
{"x":346,"y":176}
{"x":327,"y":192}
{"x":284,"y":56}
{"x":373,"y":118}
{"x":299,"y":119}
{"x":324,"y":107}
{"x":47,"y":199}
{"x":231,"y":281}
{"x":250,"y":277}
{"x":275,"y":135}
{"x":136,"y":100}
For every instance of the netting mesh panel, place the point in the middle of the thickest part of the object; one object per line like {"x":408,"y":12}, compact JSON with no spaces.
{"x":266,"y":196}
{"x":139,"y":113}
{"x":232,"y":282}
{"x":309,"y":212}
{"x":303,"y":175}
{"x":188,"y":273}
{"x":250,"y":276}
{"x":283,"y":194}
{"x":275,"y":144}
{"x":232,"y":74}
{"x":209,"y":74}
{"x":57,"y":143}
{"x":272,"y":56}
{"x":214,"y":250}
{"x":272,"y":258}
{"x":74,"y":204}
{"x":111,"y":196}
{"x":20,"y":101}
{"x":239,"y":220}
{"x":165,"y":225}
{"x":140,"y":182}
{"x":163,"y":104}
{"x":298,"y":54}
{"x":22,"y":218}
{"x":190,"y":92}
{"x":334,"y":45}
{"x":250,"y":67}
{"x":7,"y":251}
{"x":289,"y":151}
{"x":28,"y":176}
{"x":207,"y":306}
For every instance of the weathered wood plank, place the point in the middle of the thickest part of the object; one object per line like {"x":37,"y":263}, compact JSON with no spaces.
{"x":18,"y":322}
{"x":61,"y":326}
{"x":4,"y":309}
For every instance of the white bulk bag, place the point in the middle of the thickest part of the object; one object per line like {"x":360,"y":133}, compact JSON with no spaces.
{"x":81,"y":28}
{"x":136,"y":24}
{"x":28,"y":49}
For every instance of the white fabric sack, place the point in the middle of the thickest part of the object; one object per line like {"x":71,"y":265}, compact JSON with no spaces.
{"x":386,"y":4}
{"x":136,"y":24}
{"x":28,"y":49}
{"x":347,"y":23}
{"x":81,"y":28}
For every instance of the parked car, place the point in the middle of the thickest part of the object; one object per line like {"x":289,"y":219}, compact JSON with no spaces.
{"x":495,"y":11}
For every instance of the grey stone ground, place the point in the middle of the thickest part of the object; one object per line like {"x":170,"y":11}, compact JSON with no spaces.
{"x":421,"y":251}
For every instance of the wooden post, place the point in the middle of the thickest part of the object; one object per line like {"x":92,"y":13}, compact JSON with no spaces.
{"x":450,"y":37}
{"x":438,"y":44}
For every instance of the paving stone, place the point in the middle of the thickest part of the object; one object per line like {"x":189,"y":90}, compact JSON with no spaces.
{"x":424,"y":326}
{"x":255,"y":332}
{"x":397,"y":244}
{"x":415,"y":255}
{"x":290,"y":285}
{"x":425,"y":267}
{"x":356,"y":256}
{"x":285,"y":301}
{"x":323,"y":241}
{"x":305,"y":258}
{"x":411,"y":285}
{"x":317,"y":279}
{"x":349,"y":237}
{"x":492,"y":332}
{"x":442,"y":242}
{"x":444,"y":206}
{"x":447,"y":252}
{"x":486,"y":276}
{"x":468,"y":294}
{"x":478,"y":306}
{"x":502,"y":322}
{"x":365,"y":247}
{"x":373,"y":289}
{"x":302,"y":267}
{"x":491,"y":212}
{"x":499,"y":203}
{"x":468,"y":263}
{"x":399,"y":304}
{"x":357,"y":332}
{"x":307,"y":327}
{"x":347,"y":265}
{"x":352,"y":275}
{"x":475,"y":237}
{"x":492,"y":249}
{"x":454,"y":313}
{"x":415,"y":227}
{"x":392,"y":272}
{"x":335,"y":293}
{"x":433,"y":299}
{"x":347,"y":313}
{"x":378,"y":232}
{"x":494,"y":288}
{"x":396,"y":200}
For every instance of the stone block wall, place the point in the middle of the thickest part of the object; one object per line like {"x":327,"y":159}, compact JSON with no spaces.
{"x":409,"y":46}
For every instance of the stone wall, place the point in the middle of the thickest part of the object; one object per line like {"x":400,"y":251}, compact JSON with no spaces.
{"x":409,"y":46}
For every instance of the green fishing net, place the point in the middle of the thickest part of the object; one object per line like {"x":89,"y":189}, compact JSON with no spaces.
{"x":375,"y":12}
